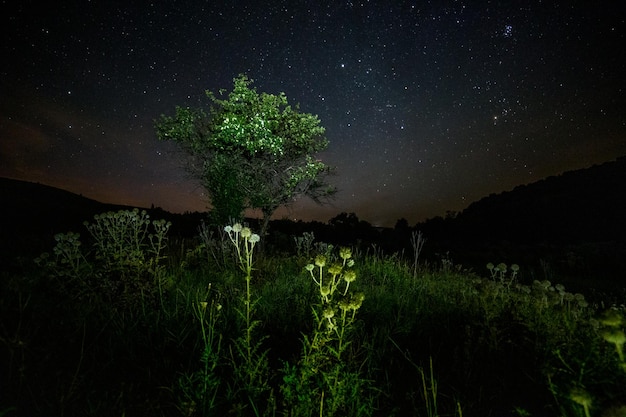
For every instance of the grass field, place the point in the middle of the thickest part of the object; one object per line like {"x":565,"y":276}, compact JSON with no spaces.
{"x":122,"y":322}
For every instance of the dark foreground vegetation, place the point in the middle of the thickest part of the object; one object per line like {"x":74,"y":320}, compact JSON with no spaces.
{"x":154,"y":314}
{"x":127,"y":320}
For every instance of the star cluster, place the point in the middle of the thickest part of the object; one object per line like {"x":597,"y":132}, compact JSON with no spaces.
{"x":428,"y":105}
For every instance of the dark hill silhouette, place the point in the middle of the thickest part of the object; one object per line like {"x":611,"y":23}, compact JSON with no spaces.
{"x":586,"y":205}
{"x":569,"y":228}
{"x":575,"y":208}
{"x":28,"y":207}
{"x":31,"y":214}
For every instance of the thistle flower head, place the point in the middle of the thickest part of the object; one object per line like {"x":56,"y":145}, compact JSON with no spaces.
{"x":246,"y":233}
{"x":580,"y":396}
{"x":349,"y":276}
{"x":345,"y":304}
{"x":357,"y":301}
{"x":320,"y":260}
{"x":612,"y":318}
{"x":617,"y":337}
{"x":345,"y":253}
{"x":325,"y":291}
{"x":334,"y":269}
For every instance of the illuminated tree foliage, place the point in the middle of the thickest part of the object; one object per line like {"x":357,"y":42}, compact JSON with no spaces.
{"x":250,"y":150}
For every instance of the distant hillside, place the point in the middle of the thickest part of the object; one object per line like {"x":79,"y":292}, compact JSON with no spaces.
{"x":587,"y":205}
{"x":33,"y":206}
{"x":31,"y":214}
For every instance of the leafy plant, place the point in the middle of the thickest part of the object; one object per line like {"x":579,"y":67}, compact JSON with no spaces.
{"x":249,"y":360}
{"x":199,"y":389}
{"x":126,"y":263}
{"x":325,"y":382}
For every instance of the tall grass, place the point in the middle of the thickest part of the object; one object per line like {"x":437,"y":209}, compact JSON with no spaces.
{"x":213,"y":328}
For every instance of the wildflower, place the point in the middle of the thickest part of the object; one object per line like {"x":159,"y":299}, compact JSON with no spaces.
{"x":612,"y":318}
{"x":357,"y":301}
{"x":228,"y":229}
{"x":325,"y":292}
{"x":246,"y":233}
{"x":254,"y":238}
{"x":309,"y":267}
{"x":582,"y":397}
{"x":618,"y":338}
{"x":203,"y":304}
{"x":345,"y":253}
{"x":328,"y":313}
{"x":320,"y":260}
{"x":345,"y":304}
{"x":349,"y":276}
{"x":237,"y":227}
{"x":335,"y":269}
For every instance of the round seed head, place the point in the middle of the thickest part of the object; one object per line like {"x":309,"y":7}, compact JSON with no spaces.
{"x":349,"y":276}
{"x":345,"y":253}
{"x":335,"y":269}
{"x":612,"y":318}
{"x":580,"y":396}
{"x":320,"y":260}
{"x":325,"y":291}
{"x":357,"y":301}
{"x":616,"y":337}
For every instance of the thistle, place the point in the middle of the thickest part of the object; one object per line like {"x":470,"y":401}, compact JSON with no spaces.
{"x":582,"y":397}
{"x":618,"y":338}
{"x":250,"y":365}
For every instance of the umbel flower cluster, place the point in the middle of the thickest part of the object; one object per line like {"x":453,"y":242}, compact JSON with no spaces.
{"x":333,"y":281}
{"x":243,"y":240}
{"x":319,"y":385}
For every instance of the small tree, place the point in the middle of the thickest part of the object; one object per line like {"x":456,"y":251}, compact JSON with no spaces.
{"x":250,"y":150}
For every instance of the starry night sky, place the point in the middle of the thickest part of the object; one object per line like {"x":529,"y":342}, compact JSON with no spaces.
{"x":428,"y":105}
